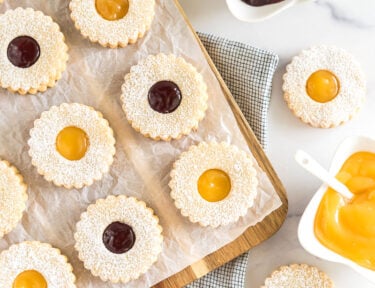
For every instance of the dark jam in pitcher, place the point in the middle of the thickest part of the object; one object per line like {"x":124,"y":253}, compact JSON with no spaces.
{"x":261,"y":2}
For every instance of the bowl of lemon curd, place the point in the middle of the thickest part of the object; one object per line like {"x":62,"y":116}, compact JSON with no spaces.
{"x":343,"y":230}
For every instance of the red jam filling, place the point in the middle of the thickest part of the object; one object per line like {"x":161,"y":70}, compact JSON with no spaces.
{"x":118,"y":238}
{"x":23,"y":51}
{"x":164,"y":97}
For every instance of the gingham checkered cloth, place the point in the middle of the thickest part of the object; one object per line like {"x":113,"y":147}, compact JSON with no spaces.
{"x":248,"y":72}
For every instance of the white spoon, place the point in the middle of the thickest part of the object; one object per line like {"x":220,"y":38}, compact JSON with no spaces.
{"x":307,"y":162}
{"x":248,"y":13}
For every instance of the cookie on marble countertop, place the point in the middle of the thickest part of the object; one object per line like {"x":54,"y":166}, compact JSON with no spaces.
{"x":324,"y":86}
{"x":298,"y":276}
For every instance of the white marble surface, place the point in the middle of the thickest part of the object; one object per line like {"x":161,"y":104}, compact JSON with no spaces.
{"x":345,"y":23}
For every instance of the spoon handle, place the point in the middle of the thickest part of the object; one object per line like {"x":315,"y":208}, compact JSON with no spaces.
{"x":307,"y":162}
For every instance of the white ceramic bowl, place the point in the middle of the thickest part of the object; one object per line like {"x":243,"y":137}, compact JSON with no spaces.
{"x":248,"y":13}
{"x":306,"y":233}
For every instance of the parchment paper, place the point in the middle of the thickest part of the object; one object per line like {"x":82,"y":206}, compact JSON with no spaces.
{"x":141,"y":167}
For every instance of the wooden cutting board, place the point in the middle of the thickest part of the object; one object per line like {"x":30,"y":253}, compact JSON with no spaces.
{"x":255,"y":234}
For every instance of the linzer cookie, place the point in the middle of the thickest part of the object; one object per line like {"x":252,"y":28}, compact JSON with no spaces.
{"x":112,"y":23}
{"x":35,"y":264}
{"x":324,"y":86}
{"x":213,"y":183}
{"x":298,"y":276}
{"x":72,"y":145}
{"x":164,"y":97}
{"x":118,"y":238}
{"x":13,"y":197}
{"x":33,"y":52}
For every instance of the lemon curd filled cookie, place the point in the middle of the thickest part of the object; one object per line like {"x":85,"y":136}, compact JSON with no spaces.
{"x":298,"y":276}
{"x":33,"y":53}
{"x":72,"y":145}
{"x":213,"y":183}
{"x":164,"y":97}
{"x":13,"y":197}
{"x":35,"y":265}
{"x":112,"y":23}
{"x":118,"y":238}
{"x":324,"y":86}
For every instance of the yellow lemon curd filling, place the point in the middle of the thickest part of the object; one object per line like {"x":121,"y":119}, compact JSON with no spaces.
{"x":348,"y":227}
{"x":112,"y":10}
{"x":72,"y":143}
{"x":30,"y":279}
{"x":214,"y":185}
{"x":322,"y":86}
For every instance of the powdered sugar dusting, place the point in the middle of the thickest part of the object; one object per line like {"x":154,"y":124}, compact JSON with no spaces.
{"x":54,"y":167}
{"x":113,"y":33}
{"x":53,"y":50}
{"x":13,"y":197}
{"x":198,"y":159}
{"x":298,"y":276}
{"x":157,"y":125}
{"x":118,"y":267}
{"x":352,"y":86}
{"x":36,"y":256}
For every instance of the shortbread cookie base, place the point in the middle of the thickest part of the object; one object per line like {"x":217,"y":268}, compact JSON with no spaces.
{"x":50,"y":65}
{"x":322,"y":125}
{"x":118,"y":267}
{"x":298,"y":276}
{"x":37,"y":256}
{"x":44,"y":87}
{"x":113,"y":34}
{"x":57,"y":169}
{"x":344,"y":106}
{"x":193,"y":163}
{"x":13,"y":197}
{"x":156,"y":125}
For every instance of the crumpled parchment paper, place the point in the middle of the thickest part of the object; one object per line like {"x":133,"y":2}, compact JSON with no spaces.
{"x":141,"y":166}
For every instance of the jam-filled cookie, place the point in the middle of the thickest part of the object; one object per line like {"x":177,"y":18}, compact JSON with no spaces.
{"x":164,"y":97}
{"x":112,"y":23}
{"x":213,"y":183}
{"x":13,"y":197}
{"x":324,"y":86}
{"x":118,"y":238}
{"x":72,"y":145}
{"x":36,"y":265}
{"x":33,"y":53}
